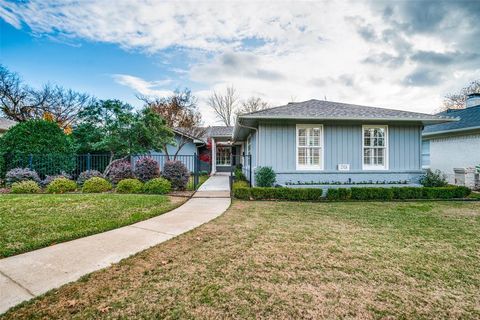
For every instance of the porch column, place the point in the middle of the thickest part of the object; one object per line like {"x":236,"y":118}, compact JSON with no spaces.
{"x":214,"y":156}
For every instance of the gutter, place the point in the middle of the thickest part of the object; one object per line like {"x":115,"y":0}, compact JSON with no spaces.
{"x":435,"y":133}
{"x":438,"y":120}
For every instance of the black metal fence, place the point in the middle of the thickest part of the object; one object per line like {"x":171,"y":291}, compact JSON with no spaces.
{"x":241,"y":162}
{"x":53,"y":164}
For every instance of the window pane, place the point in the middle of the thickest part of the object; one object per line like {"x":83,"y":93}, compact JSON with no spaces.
{"x":302,"y":156}
{"x":302,"y":137}
{"x":314,"y":137}
{"x":315,"y":156}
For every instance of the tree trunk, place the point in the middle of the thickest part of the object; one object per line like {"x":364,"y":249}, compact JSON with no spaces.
{"x":109,"y":167}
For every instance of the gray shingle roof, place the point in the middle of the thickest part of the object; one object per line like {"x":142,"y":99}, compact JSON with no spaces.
{"x":5,"y":124}
{"x":319,"y":109}
{"x":469,"y":118}
{"x":219,"y":131}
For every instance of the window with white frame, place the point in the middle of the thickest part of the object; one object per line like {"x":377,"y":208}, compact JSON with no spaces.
{"x":310,"y":146}
{"x":375,"y":147}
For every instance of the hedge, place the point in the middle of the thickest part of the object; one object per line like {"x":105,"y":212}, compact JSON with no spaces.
{"x":398,"y":193}
{"x":295,"y":194}
{"x":383,"y":194}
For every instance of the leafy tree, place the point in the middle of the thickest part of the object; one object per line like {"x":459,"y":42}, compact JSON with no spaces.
{"x":457,"y":100}
{"x":112,"y":126}
{"x":181,"y":113}
{"x":51,"y":148}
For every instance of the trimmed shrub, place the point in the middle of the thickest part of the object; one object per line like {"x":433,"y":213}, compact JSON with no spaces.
{"x":45,"y":182}
{"x":372,"y":193}
{"x":265,"y":177}
{"x":21,"y":174}
{"x":27,"y":186}
{"x":61,"y":185}
{"x":241,"y":184}
{"x":403,"y":193}
{"x":339,"y":194}
{"x":446,"y":192}
{"x":119,"y":171}
{"x":130,"y":186}
{"x":177,"y":174}
{"x":85,"y":175}
{"x":157,"y":186}
{"x":96,"y":185}
{"x":292,"y":194}
{"x":241,"y":193}
{"x":434,"y":179}
{"x":147,"y":169}
{"x":203,"y":173}
{"x":239,"y":176}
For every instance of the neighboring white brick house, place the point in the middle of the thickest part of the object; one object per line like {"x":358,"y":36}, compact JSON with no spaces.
{"x":454,"y":145}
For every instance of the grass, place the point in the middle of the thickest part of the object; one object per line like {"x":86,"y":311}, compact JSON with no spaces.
{"x":283,"y":260}
{"x":201,"y":180}
{"x":29,"y":222}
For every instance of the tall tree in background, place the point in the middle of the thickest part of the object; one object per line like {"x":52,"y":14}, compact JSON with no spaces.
{"x":21,"y":102}
{"x":252,"y":104}
{"x":181,"y":114}
{"x":457,"y":100}
{"x":112,"y":126}
{"x":224,"y":105}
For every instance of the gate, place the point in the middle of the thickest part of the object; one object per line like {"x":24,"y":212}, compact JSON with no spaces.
{"x":242,"y":170}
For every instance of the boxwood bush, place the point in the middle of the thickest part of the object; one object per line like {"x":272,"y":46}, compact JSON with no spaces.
{"x":294,"y":194}
{"x":147,"y":169}
{"x":28,"y":186}
{"x":85,"y":175}
{"x":339,"y":194}
{"x":61,"y":185}
{"x":157,"y":186}
{"x":96,"y":185}
{"x":48,"y":179}
{"x":21,"y":174}
{"x":372,"y":194}
{"x":265,"y":177}
{"x":130,"y":186}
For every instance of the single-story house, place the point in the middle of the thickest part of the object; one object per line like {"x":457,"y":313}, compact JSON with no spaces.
{"x":322,"y":142}
{"x":6,"y":124}
{"x":454,"y":146}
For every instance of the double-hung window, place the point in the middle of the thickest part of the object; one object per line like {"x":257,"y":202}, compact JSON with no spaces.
{"x":375,"y":147}
{"x":309,"y":147}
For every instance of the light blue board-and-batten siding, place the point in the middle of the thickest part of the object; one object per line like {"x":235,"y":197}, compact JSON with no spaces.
{"x":342,"y":145}
{"x":188,"y":149}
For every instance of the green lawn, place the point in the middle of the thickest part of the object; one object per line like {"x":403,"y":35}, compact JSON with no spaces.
{"x":30,"y":222}
{"x":201,"y":180}
{"x":281,"y":260}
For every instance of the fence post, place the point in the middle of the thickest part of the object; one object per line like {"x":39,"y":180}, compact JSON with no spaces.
{"x":250,"y":169}
{"x":195,"y":171}
{"x":89,"y":161}
{"x":30,"y":162}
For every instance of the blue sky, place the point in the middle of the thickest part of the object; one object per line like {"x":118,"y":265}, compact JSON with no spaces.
{"x":404,"y":55}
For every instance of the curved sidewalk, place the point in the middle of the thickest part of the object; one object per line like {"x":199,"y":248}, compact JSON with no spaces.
{"x":27,"y":275}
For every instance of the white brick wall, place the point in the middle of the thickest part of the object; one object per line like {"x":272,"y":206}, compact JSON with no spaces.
{"x":454,"y":152}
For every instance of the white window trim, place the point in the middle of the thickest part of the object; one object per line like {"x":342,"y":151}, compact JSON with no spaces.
{"x":375,"y":167}
{"x":322,"y":144}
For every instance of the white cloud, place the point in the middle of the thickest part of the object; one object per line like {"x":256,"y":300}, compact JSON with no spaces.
{"x":143,"y":87}
{"x":366,"y":53}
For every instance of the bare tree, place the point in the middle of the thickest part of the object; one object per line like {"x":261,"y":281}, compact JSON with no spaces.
{"x":252,"y":104}
{"x":224,"y":105}
{"x":20,"y":102}
{"x":457,"y":100}
{"x":181,"y":114}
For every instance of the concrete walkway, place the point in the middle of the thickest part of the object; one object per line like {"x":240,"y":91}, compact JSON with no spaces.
{"x":27,"y":275}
